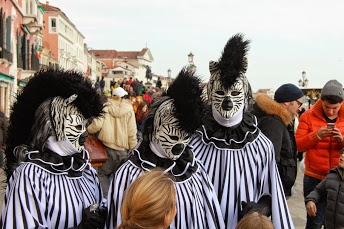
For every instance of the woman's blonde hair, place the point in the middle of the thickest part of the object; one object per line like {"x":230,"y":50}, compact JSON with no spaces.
{"x":148,"y":202}
{"x":255,"y":220}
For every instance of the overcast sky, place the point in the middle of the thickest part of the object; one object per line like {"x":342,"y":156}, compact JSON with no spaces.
{"x":287,"y":37}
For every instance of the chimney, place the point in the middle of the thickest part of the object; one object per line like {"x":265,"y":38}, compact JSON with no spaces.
{"x":47,"y":2}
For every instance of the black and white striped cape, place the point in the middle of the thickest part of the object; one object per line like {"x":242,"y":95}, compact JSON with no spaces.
{"x":197,"y":204}
{"x":242,"y":167}
{"x":37,"y":197}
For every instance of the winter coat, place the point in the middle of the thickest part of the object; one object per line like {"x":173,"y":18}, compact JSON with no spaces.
{"x":117,"y":128}
{"x":102,"y":83}
{"x":321,"y":155}
{"x":276,"y":123}
{"x":331,"y":189}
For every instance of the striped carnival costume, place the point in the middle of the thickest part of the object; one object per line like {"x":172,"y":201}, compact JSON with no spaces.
{"x":167,"y":129}
{"x":239,"y":159}
{"x":51,"y":183}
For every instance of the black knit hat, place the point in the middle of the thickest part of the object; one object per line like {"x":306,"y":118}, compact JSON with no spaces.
{"x":287,"y":93}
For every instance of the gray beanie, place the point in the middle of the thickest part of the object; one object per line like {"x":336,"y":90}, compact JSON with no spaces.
{"x":333,"y":87}
{"x":287,"y":93}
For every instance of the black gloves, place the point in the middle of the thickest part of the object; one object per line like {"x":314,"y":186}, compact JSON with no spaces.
{"x":92,"y":219}
{"x":263,"y":207}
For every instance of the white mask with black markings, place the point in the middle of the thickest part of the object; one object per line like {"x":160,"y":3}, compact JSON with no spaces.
{"x":168,"y":139}
{"x":227,"y":102}
{"x":68,"y":122}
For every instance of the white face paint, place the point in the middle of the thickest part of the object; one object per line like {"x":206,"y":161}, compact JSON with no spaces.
{"x":228,"y":101}
{"x":167,"y":131}
{"x":75,"y":128}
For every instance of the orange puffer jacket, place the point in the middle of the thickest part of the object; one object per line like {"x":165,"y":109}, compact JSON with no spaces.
{"x":321,"y":155}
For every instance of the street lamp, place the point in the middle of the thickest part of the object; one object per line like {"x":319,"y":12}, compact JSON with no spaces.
{"x":304,"y":81}
{"x":192,"y":66}
{"x":169,"y":77}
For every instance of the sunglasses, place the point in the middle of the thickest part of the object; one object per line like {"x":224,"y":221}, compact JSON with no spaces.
{"x":299,"y":103}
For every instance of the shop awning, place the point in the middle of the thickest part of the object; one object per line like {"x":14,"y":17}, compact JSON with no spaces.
{"x":6,"y":78}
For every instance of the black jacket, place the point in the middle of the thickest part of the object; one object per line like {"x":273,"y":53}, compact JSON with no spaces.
{"x":331,"y":189}
{"x":277,"y":124}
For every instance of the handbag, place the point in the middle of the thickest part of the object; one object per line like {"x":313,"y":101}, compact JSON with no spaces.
{"x":96,"y":150}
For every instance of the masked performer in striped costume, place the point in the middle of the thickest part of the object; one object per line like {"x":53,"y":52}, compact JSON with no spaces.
{"x":239,"y":159}
{"x":51,"y":183}
{"x":167,"y":129}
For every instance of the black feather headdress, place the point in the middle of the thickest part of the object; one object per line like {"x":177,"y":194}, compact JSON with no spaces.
{"x":233,"y":61}
{"x":231,"y":66}
{"x":186,"y":93}
{"x":43,"y":85}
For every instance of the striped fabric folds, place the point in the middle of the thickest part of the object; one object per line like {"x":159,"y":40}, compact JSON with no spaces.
{"x":243,"y":174}
{"x":37,"y":198}
{"x":197,"y":204}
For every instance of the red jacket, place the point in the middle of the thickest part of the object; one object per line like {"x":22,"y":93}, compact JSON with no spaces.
{"x":147,"y":98}
{"x":321,"y":155}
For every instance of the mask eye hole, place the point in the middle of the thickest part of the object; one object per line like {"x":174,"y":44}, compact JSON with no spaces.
{"x":219,"y":92}
{"x":78,"y":127}
{"x":235,"y":93}
{"x":174,"y":138}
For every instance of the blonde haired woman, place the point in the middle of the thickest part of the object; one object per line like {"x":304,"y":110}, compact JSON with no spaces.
{"x":255,"y":220}
{"x":149,"y":202}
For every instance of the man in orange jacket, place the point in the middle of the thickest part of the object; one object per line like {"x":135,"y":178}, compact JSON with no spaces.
{"x":320,"y":135}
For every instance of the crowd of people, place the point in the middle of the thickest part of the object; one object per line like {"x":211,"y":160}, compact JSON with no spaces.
{"x":175,"y":160}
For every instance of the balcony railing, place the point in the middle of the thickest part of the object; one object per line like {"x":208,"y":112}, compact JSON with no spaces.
{"x":7,"y":55}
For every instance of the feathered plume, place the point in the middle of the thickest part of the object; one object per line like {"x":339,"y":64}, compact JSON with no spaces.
{"x":43,"y":85}
{"x":233,"y":61}
{"x":186,"y":92}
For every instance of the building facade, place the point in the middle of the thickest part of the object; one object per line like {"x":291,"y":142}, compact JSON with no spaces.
{"x":35,"y":35}
{"x":21,"y":25}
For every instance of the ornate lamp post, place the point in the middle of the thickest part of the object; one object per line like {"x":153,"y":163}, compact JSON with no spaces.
{"x":304,"y":81}
{"x":192,"y":66}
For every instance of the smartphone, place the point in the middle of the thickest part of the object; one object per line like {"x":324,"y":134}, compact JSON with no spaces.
{"x":330,"y":125}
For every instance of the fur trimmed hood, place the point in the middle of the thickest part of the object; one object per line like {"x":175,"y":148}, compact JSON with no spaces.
{"x":271,"y":107}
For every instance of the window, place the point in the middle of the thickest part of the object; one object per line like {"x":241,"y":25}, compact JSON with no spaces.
{"x":53,"y":24}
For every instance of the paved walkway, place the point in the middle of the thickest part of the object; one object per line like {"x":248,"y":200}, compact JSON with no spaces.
{"x":295,"y":203}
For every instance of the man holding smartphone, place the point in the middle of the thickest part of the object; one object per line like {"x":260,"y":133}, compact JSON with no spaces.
{"x":320,"y":135}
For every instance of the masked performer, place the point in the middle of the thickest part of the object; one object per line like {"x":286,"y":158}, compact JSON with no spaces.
{"x":237,"y":156}
{"x":51,"y":183}
{"x":167,"y":129}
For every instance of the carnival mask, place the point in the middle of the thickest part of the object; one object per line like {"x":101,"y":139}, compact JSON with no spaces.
{"x":167,"y":135}
{"x":227,"y":102}
{"x":69,"y":124}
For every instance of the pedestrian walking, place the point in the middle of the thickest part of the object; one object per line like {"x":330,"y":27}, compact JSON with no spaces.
{"x":116,"y":129}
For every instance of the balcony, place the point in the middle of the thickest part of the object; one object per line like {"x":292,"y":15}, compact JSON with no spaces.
{"x":6,"y":57}
{"x":33,"y":21}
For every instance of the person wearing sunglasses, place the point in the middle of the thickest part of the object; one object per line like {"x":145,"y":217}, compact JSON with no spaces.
{"x":276,"y":119}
